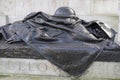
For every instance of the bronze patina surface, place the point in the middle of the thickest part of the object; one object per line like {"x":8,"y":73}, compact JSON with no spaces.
{"x":64,"y":39}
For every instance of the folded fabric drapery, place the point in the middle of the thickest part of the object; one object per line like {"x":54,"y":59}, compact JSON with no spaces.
{"x":66,"y":43}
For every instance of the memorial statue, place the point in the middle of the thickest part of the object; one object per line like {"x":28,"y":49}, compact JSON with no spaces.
{"x":67,"y":41}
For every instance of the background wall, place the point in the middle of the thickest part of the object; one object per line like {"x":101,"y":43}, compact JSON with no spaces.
{"x":104,"y":10}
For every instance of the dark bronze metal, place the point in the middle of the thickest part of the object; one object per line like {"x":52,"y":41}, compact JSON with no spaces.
{"x":65,"y":40}
{"x":65,"y":12}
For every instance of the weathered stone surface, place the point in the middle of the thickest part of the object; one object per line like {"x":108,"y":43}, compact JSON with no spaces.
{"x":77,"y":5}
{"x":3,"y":20}
{"x":105,"y":7}
{"x":24,"y":77}
{"x":106,"y":70}
{"x":31,"y":69}
{"x":119,"y":22}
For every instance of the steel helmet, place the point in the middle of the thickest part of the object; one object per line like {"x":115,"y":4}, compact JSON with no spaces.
{"x":64,"y":12}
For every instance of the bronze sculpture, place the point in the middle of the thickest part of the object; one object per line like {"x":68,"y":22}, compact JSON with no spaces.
{"x":65,"y":40}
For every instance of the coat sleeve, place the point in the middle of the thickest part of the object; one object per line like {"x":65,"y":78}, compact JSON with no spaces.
{"x":31,"y":15}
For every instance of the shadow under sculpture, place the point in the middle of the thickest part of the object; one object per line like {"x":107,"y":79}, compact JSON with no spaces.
{"x":65,"y":40}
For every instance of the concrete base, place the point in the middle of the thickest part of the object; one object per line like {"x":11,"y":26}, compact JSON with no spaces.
{"x":31,"y":69}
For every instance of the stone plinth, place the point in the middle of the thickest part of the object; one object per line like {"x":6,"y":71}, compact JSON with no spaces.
{"x":37,"y":69}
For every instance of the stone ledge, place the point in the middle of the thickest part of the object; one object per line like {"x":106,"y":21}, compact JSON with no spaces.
{"x":31,"y":69}
{"x":26,"y":77}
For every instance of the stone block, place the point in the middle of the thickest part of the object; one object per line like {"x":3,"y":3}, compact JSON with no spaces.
{"x":30,"y":77}
{"x":81,"y":7}
{"x":105,"y":7}
{"x":31,"y":69}
{"x":3,"y":20}
{"x":103,"y":70}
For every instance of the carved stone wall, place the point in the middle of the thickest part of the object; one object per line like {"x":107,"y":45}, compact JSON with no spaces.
{"x":119,"y":22}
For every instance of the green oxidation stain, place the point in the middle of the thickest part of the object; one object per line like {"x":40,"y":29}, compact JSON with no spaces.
{"x":114,"y":79}
{"x":34,"y":78}
{"x":2,"y":76}
{"x":93,"y":79}
{"x":75,"y":79}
